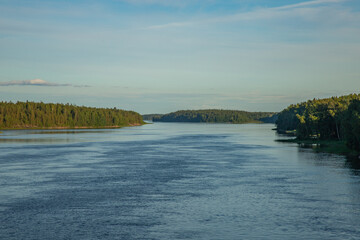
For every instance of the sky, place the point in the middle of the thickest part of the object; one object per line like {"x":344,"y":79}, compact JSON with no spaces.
{"x":159,"y":56}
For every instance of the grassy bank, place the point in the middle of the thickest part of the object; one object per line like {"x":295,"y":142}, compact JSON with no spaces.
{"x":327,"y":146}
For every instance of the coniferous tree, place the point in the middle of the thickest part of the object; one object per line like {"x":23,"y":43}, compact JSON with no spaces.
{"x":335,"y":118}
{"x":42,"y":115}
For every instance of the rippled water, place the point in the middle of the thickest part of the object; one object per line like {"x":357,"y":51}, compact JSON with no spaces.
{"x":173,"y":181}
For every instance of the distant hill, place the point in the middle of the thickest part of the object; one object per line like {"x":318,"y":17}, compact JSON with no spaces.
{"x":217,"y":116}
{"x":149,"y":117}
{"x":270,"y":119}
{"x":49,"y":115}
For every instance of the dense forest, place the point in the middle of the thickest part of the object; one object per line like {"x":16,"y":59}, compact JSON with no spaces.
{"x":216,"y":116}
{"x":336,"y":118}
{"x":48,"y":115}
{"x":150,"y":117}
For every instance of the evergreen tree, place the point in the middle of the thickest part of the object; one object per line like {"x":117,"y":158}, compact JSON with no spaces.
{"x":42,"y":115}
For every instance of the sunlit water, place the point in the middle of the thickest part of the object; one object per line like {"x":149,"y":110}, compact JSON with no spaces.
{"x":173,"y":181}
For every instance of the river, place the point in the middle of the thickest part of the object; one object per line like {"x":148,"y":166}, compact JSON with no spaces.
{"x":173,"y":181}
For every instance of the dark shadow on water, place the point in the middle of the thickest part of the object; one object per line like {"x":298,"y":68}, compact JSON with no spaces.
{"x":66,"y":131}
{"x":333,"y":160}
{"x":22,"y":136}
{"x":353,"y":163}
{"x":35,"y":140}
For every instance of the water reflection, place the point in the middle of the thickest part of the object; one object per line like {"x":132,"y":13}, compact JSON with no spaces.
{"x":353,"y":163}
{"x":312,"y":157}
{"x":311,"y":154}
{"x":51,"y":136}
{"x":174,"y":181}
{"x":36,"y":140}
{"x":68,"y":131}
{"x":55,"y":131}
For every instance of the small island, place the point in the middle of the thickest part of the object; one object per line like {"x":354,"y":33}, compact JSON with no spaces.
{"x":32,"y":115}
{"x":216,"y":116}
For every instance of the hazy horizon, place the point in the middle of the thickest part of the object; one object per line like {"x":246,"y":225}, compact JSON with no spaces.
{"x":158,"y":56}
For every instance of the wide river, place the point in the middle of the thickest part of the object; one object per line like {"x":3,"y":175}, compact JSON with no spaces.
{"x":173,"y":181}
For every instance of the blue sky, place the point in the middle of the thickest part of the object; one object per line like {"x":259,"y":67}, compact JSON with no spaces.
{"x":158,"y":56}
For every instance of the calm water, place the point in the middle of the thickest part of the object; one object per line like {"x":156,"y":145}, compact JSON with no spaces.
{"x":173,"y":181}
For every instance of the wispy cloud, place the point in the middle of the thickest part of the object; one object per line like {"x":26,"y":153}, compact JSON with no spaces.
{"x":174,"y":24}
{"x":174,"y":3}
{"x":261,"y":13}
{"x":38,"y":82}
{"x":308,"y":3}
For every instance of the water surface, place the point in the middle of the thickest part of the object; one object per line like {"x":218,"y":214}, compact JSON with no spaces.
{"x":173,"y":181}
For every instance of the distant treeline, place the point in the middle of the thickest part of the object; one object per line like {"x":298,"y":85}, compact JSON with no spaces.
{"x":216,"y":116}
{"x":150,"y":117}
{"x":325,"y":119}
{"x":49,"y":115}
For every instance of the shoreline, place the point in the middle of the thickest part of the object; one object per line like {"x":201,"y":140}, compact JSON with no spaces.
{"x":75,"y":127}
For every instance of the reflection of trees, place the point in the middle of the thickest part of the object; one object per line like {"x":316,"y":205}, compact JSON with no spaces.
{"x":353,"y":163}
{"x":32,"y":140}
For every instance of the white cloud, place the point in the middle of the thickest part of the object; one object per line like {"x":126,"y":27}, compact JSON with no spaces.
{"x":38,"y":82}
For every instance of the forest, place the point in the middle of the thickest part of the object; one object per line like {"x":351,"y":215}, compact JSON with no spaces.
{"x":150,"y":117}
{"x":22,"y":115}
{"x":216,"y":116}
{"x":335,"y":118}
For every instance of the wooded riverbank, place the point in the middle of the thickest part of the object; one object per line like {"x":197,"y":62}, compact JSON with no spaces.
{"x":32,"y":115}
{"x":331,"y":122}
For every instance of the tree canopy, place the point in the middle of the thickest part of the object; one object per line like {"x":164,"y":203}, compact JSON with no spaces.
{"x":216,"y":116}
{"x":49,"y":115}
{"x":150,"y":117}
{"x":326,"y":119}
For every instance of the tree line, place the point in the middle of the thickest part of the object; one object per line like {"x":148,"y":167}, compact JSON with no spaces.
{"x":335,"y":118}
{"x":50,"y":115}
{"x":150,"y":117}
{"x":216,"y":116}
